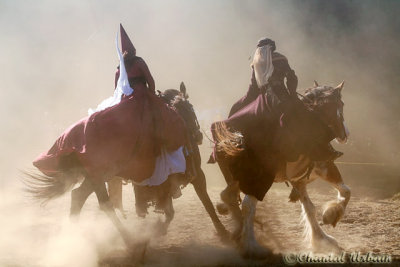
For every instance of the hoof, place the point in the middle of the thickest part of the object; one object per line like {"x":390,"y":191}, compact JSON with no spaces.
{"x":138,"y":250}
{"x":332,"y":214}
{"x":161,"y":228}
{"x":254,"y":251}
{"x":225,"y":236}
{"x":236,"y":235}
{"x":222,"y":208}
{"x":294,"y":195}
{"x":325,"y":244}
{"x":141,"y":210}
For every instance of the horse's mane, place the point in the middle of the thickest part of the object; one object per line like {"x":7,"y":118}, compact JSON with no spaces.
{"x":180,"y":102}
{"x":169,"y":95}
{"x":318,"y":96}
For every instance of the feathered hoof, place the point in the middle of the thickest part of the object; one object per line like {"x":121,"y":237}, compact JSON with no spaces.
{"x":333,"y":212}
{"x":325,"y":244}
{"x":222,"y":208}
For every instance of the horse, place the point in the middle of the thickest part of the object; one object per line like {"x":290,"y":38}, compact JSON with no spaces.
{"x":46,"y":188}
{"x":326,"y":103}
{"x":161,"y":196}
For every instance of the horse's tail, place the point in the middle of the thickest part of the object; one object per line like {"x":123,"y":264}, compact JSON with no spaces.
{"x":226,"y":141}
{"x":45,"y":188}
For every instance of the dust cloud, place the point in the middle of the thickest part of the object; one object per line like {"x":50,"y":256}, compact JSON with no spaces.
{"x":59,"y":59}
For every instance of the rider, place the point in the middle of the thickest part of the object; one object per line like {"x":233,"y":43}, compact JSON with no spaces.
{"x":127,"y":135}
{"x":277,"y":70}
{"x":134,"y":67}
{"x":270,"y":69}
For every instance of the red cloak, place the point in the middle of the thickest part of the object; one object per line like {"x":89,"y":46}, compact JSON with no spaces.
{"x":122,"y":140}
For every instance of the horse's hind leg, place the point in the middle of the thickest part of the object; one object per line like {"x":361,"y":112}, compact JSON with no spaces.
{"x":79,"y":196}
{"x":319,"y":240}
{"x":100,"y":189}
{"x":200,"y":186}
{"x":115,"y":193}
{"x":334,"y":211}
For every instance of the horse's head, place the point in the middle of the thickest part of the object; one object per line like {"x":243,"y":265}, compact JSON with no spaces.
{"x":179,"y":100}
{"x":327,"y":102}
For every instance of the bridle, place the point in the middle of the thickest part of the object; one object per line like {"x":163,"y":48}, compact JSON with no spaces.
{"x":339,"y":114}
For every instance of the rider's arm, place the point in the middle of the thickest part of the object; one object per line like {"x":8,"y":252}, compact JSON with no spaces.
{"x":291,"y":81}
{"x":147,"y":75}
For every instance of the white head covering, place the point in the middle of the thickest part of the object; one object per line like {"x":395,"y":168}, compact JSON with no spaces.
{"x":123,"y":86}
{"x":262,"y":64}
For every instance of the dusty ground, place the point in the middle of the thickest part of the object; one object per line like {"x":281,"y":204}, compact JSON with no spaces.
{"x":35,"y":236}
{"x":368,"y":226}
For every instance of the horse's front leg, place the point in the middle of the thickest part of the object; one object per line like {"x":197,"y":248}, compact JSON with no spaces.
{"x":200,"y":186}
{"x":248,"y":243}
{"x":334,"y":210}
{"x":230,"y":198}
{"x":168,"y":209}
{"x":320,"y":241}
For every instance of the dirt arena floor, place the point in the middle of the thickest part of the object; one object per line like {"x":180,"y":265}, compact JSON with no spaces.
{"x":43,"y":236}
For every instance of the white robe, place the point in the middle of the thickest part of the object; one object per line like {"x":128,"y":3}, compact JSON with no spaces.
{"x":166,"y":163}
{"x":262,"y":64}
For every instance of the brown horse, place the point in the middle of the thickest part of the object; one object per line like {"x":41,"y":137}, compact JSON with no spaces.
{"x":161,"y":196}
{"x":325,"y":102}
{"x":46,"y":188}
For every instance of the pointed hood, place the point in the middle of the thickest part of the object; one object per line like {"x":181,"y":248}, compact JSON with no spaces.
{"x":126,"y":43}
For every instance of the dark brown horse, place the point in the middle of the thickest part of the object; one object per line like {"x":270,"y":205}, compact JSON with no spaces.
{"x":161,"y":196}
{"x":324,"y":102}
{"x":47,"y":188}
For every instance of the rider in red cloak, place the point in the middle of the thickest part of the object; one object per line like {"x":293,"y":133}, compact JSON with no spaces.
{"x":283,"y":101}
{"x":275,"y":125}
{"x":124,"y":139}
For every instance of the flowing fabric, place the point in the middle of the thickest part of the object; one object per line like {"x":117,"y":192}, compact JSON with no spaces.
{"x":268,"y":138}
{"x":166,"y":164}
{"x":262,"y":63}
{"x":125,"y":137}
